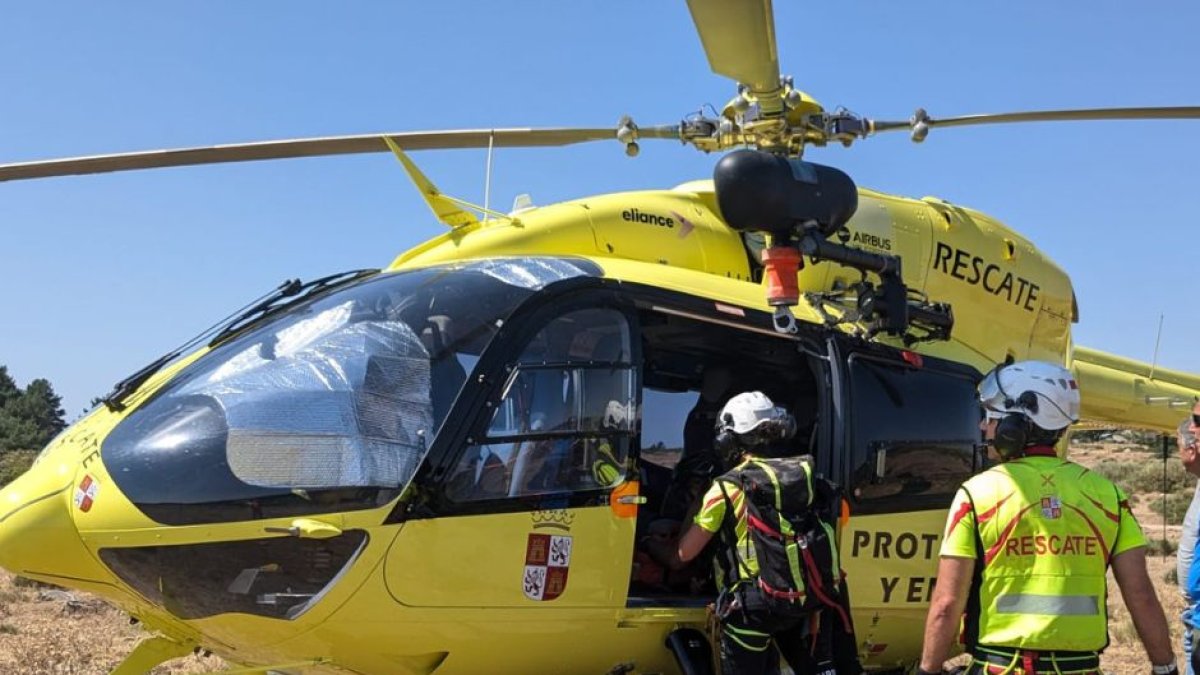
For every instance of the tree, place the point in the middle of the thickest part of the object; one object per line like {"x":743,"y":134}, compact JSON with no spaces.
{"x":8,"y":388}
{"x":29,"y":418}
{"x":17,"y":433}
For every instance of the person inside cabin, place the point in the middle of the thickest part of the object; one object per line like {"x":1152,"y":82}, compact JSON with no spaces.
{"x":698,"y":463}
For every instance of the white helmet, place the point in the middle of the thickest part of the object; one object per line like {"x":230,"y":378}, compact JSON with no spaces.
{"x":749,"y":410}
{"x":1044,"y":392}
{"x":617,"y":415}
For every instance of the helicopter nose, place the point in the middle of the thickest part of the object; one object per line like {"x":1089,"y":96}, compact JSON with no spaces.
{"x":37,"y":533}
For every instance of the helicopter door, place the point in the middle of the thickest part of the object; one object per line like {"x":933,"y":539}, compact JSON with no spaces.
{"x":523,"y":516}
{"x":911,"y":436}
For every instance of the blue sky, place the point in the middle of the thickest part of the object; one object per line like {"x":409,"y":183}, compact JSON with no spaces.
{"x":101,"y":274}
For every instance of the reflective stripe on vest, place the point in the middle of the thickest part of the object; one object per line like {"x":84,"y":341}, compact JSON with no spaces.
{"x":1054,"y":605}
{"x":1046,"y":530}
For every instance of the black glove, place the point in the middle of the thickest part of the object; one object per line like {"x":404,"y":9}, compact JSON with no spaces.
{"x":922,"y":671}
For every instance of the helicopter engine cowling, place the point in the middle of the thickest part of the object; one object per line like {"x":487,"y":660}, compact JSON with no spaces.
{"x":765,"y":192}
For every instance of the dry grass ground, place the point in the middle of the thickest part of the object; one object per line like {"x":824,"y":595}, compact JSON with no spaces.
{"x":1125,"y":654}
{"x":43,"y":630}
{"x":46,"y":631}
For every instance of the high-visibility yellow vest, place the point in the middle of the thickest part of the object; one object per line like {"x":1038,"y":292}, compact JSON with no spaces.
{"x":606,"y":470}
{"x":1047,"y":529}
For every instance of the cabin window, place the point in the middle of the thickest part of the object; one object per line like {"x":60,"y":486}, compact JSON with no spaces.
{"x":914,"y":434}
{"x":279,"y":578}
{"x":564,"y":418}
{"x":665,"y":416}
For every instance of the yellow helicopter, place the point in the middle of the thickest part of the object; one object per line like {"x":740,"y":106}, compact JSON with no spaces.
{"x":409,"y":470}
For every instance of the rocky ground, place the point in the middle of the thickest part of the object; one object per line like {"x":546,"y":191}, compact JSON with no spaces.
{"x":45,"y":630}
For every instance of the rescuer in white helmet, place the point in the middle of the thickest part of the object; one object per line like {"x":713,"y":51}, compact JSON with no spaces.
{"x":1029,"y":542}
{"x":767,"y":508}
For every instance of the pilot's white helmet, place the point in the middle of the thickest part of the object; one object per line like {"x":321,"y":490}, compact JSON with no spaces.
{"x":617,"y":415}
{"x":1045,"y":393}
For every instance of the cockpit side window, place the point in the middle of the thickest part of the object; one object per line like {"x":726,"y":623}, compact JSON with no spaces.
{"x":565,"y":416}
{"x":914,"y":434}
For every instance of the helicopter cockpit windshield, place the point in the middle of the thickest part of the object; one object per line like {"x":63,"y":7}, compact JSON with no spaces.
{"x":329,"y":406}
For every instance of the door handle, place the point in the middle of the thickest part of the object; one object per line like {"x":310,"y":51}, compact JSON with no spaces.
{"x":307,"y":528}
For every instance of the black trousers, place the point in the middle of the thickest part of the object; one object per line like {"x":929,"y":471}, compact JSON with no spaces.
{"x":755,"y":634}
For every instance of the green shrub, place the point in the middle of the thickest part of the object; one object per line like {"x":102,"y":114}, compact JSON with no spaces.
{"x":1142,"y":441}
{"x":1160,"y":546}
{"x":1145,"y":478}
{"x":14,"y":463}
{"x":1176,"y":507}
{"x":1118,"y":471}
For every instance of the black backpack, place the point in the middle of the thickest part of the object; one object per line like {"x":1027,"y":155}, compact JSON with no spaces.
{"x":791,"y":519}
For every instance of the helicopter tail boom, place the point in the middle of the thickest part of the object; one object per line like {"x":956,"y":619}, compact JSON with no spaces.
{"x":1123,"y":392}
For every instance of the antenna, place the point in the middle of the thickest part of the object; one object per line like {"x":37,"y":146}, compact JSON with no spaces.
{"x":1171,"y":402}
{"x":1157,"y":339}
{"x":487,"y":179}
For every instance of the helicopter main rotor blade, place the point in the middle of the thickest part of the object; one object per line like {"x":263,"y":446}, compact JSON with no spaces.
{"x":739,"y":39}
{"x":317,"y":147}
{"x":920,"y":123}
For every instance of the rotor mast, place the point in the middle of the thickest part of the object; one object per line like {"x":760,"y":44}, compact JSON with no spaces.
{"x":768,"y":113}
{"x":739,"y":40}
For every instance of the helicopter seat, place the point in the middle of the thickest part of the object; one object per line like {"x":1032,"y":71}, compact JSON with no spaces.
{"x":482,"y":474}
{"x":447,"y":374}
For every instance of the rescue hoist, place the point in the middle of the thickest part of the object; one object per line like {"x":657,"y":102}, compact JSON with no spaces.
{"x":799,"y":205}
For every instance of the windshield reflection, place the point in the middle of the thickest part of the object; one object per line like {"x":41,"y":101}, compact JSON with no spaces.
{"x":329,"y":406}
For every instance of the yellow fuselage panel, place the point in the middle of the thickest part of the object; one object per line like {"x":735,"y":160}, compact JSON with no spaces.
{"x":671,"y":228}
{"x":1008,"y":298}
{"x":484,"y":561}
{"x":891,"y":565}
